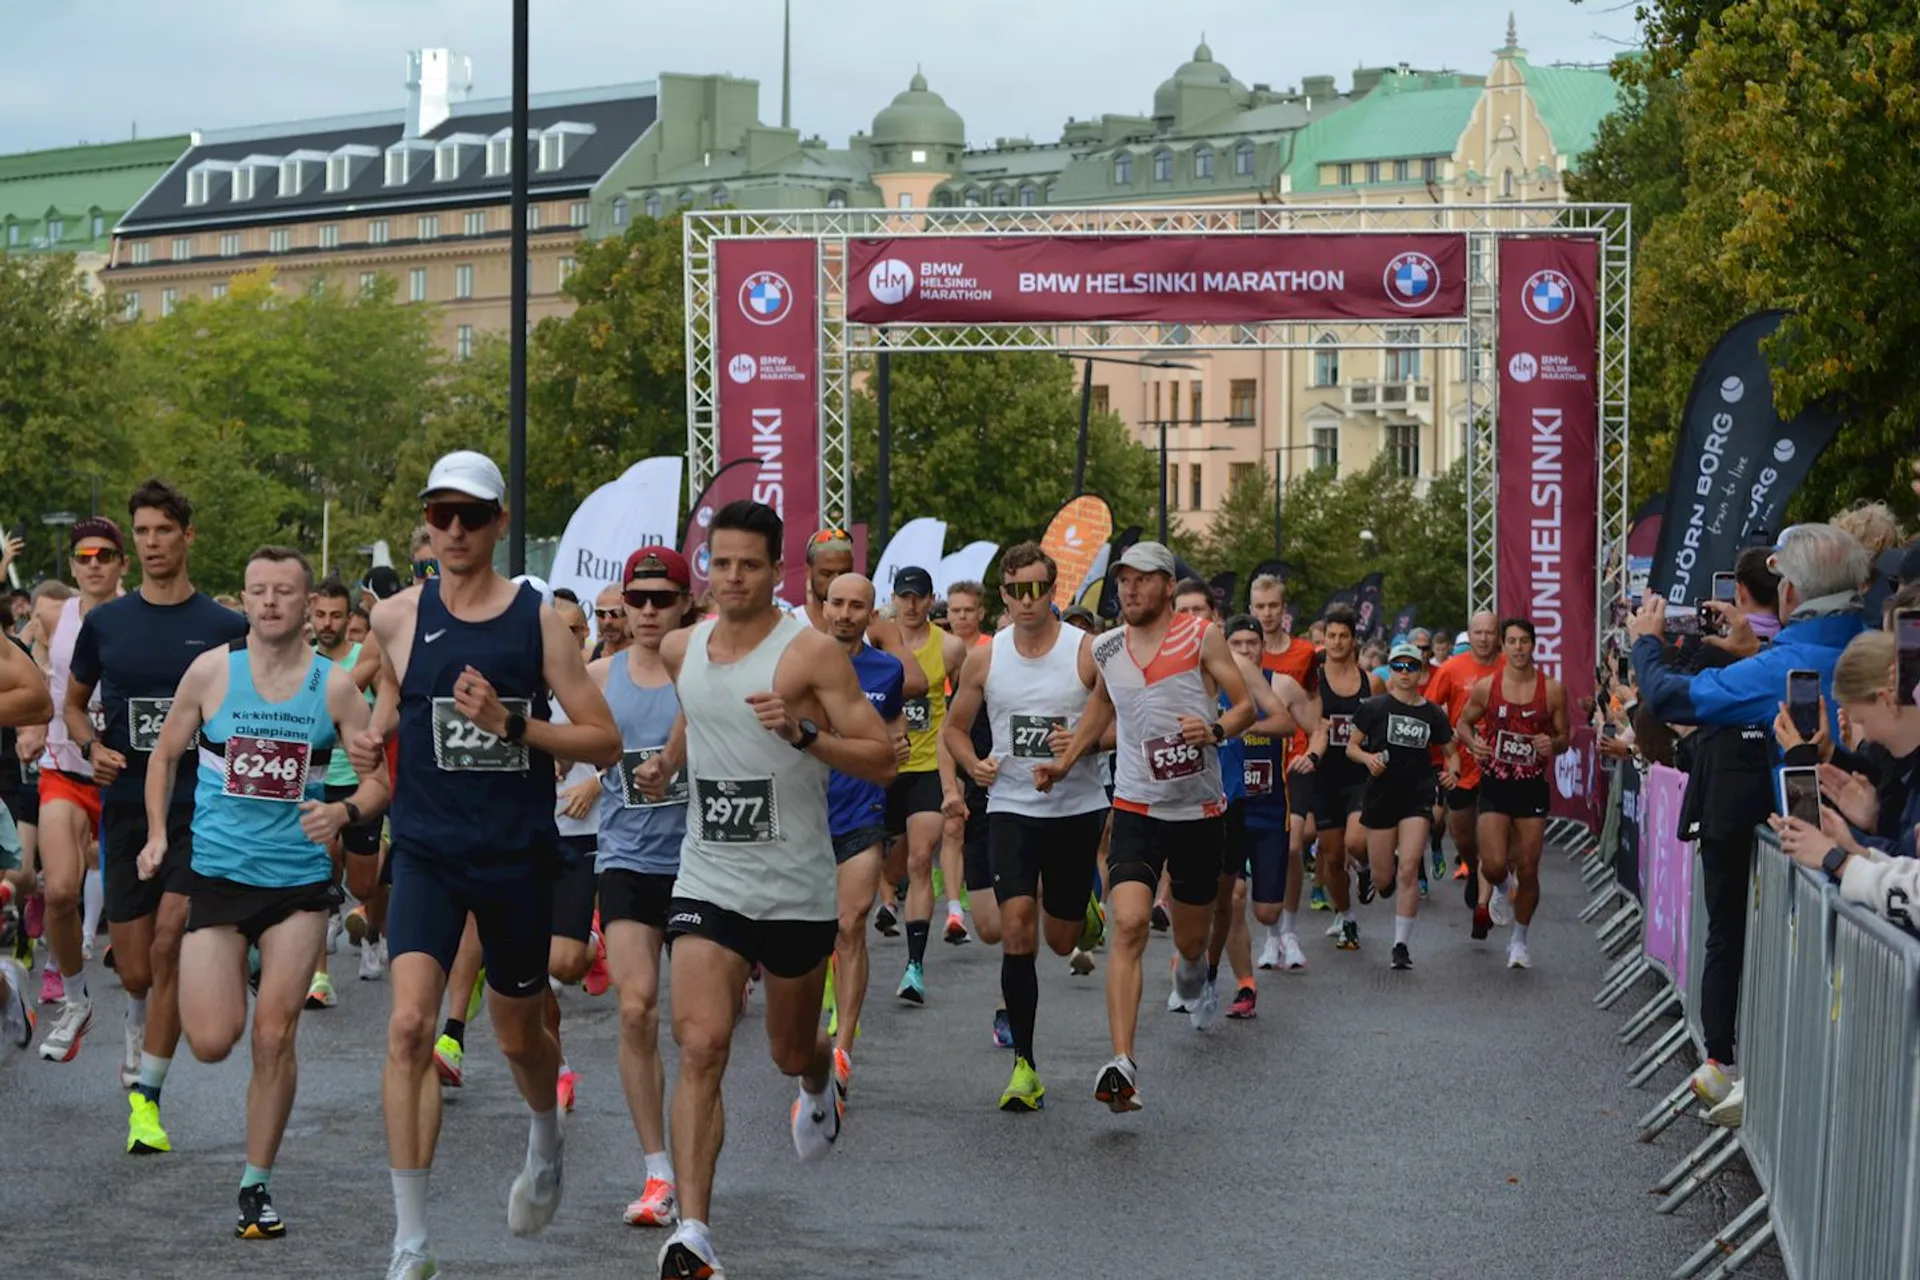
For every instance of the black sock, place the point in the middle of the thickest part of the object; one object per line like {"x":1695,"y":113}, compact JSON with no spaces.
{"x":1438,"y":837}
{"x":1213,"y":974}
{"x":917,"y":931}
{"x":371,"y":937}
{"x":1020,"y":986}
{"x":456,"y":1031}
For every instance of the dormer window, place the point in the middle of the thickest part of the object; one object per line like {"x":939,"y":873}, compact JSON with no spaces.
{"x":1163,"y":166}
{"x":1029,"y":194}
{"x":296,"y":171}
{"x":454,"y":153}
{"x":1243,"y":160}
{"x":243,"y":181}
{"x":1122,"y":169}
{"x":500,"y":154}
{"x":200,"y":179}
{"x":651,"y":204}
{"x":1203,"y":162}
{"x":559,"y":143}
{"x":406,"y":158}
{"x":344,"y":165}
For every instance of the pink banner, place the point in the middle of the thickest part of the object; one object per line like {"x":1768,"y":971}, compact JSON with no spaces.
{"x":1666,"y":873}
{"x":1579,"y":783}
{"x":1227,"y":279}
{"x":766,"y":380}
{"x":1548,"y":489}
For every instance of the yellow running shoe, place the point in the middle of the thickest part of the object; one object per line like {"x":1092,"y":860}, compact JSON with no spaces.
{"x":145,"y":1137}
{"x":1024,"y":1091}
{"x":448,"y":1054}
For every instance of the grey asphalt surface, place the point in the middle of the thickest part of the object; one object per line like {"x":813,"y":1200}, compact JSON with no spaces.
{"x":1461,"y":1120}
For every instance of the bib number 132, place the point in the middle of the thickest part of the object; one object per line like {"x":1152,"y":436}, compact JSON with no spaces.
{"x":1172,"y":757}
{"x":461,"y":746}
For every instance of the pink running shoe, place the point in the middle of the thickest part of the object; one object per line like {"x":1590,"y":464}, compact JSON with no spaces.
{"x":36,"y":914}
{"x":52,"y":989}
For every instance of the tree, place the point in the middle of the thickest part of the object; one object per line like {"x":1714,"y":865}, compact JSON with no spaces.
{"x":1241,"y":534}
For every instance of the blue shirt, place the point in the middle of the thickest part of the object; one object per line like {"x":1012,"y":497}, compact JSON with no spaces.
{"x":853,"y":803}
{"x":1233,"y":762}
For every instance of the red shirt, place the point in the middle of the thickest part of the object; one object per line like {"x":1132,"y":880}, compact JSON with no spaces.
{"x":1450,"y":688}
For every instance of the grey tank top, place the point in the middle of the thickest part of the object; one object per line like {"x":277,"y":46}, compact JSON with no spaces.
{"x":637,"y":834}
{"x":757,"y":840}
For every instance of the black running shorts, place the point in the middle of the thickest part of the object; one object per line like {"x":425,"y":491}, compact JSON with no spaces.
{"x":1190,"y":851}
{"x":218,"y":903}
{"x":573,"y":889}
{"x":1514,"y":797}
{"x":125,"y":826}
{"x":1051,"y":857}
{"x":635,"y":896}
{"x":784,"y":948}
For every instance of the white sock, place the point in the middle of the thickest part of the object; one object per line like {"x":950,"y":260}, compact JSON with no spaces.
{"x":92,"y":900}
{"x":1403,"y":929}
{"x":660,"y":1165}
{"x":543,"y":1137}
{"x":410,"y":1209}
{"x":75,"y":984}
{"x":1520,"y":934}
{"x":1273,"y":930}
{"x":953,"y":906}
{"x":137,"y":1010}
{"x":1289,"y":921}
{"x":817,"y":1101}
{"x":1506,"y":885}
{"x":696,"y":1231}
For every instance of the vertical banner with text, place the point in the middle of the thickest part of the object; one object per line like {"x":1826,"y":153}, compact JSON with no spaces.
{"x":767,"y":380}
{"x":1548,"y":490}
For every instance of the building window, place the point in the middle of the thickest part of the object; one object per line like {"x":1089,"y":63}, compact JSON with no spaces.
{"x":56,"y":230}
{"x":577,"y":214}
{"x":219,"y":289}
{"x":1506,"y":185}
{"x":1029,"y":194}
{"x":906,"y":200}
{"x":475,"y":223}
{"x":369,"y":281}
{"x":1326,"y":447}
{"x":1429,"y":169}
{"x":1194,"y":402}
{"x":142,"y":253}
{"x":499,"y":156}
{"x":1241,"y":393}
{"x":1172,"y":493}
{"x":1122,"y":169}
{"x":13,"y":234}
{"x":378,"y":231}
{"x":1195,"y":500}
{"x":717,"y":196}
{"x":99,"y":225}
{"x":1163,"y":166}
{"x":463,"y":342}
{"x":1156,"y":403}
{"x":1403,"y":446}
{"x":1401,"y":170}
{"x":1101,"y":399}
{"x":1002,"y":197}
{"x":836,"y":199}
{"x":1473,"y":363}
{"x":230,"y":244}
{"x":1173,"y":404}
{"x":417,"y":285}
{"x":972,"y":200}
{"x":339,"y":172}
{"x":182,"y":248}
{"x":130,"y":307}
{"x":533,"y":217}
{"x":1343,"y":175}
{"x":1373,"y":171}
{"x":243,"y":180}
{"x":1243,"y":159}
{"x":917,"y":157}
{"x":1240,"y":474}
{"x":1326,"y":361}
{"x":279,"y":240}
{"x":561,"y":272}
{"x":197,"y":183}
{"x":168,"y":299}
{"x":463,"y":280}
{"x":1403,"y":361}
{"x":427,"y":227}
{"x":1203,"y":163}
{"x":621,"y":211}
{"x":650,"y":204}
{"x":328,"y":236}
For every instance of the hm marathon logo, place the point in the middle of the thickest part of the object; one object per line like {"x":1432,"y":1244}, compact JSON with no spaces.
{"x":890,"y":282}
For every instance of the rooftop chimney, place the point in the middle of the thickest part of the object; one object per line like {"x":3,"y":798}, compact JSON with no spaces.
{"x":436,"y":79}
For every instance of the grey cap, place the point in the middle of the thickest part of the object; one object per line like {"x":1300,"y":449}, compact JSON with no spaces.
{"x":468,"y":472}
{"x":1149,"y":557}
{"x":1406,"y":650}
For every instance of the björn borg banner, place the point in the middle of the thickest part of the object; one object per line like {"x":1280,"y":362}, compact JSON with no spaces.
{"x":1225,"y":279}
{"x":1548,"y":451}
{"x":766,"y":380}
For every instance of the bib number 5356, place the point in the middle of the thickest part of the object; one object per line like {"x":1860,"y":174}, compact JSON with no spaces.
{"x":1172,"y":757}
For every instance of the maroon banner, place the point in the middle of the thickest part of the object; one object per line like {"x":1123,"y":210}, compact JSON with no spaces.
{"x":1229,"y":279}
{"x":1548,"y":452}
{"x":1579,"y":783}
{"x":766,"y":380}
{"x":732,"y":482}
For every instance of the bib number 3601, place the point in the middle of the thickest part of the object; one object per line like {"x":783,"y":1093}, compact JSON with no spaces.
{"x":461,"y":746}
{"x":736,"y":810}
{"x":1172,"y":757}
{"x":267,"y":768}
{"x":145,"y":716}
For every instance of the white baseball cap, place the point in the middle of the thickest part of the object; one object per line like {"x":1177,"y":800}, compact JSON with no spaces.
{"x":1149,"y":557}
{"x":468,"y":472}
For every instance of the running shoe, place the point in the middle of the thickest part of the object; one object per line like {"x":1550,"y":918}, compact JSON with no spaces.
{"x":1319,"y":901}
{"x":1469,"y":888}
{"x":957,"y":933}
{"x":1243,"y":1004}
{"x":448,"y":1055}
{"x":1175,"y":1004}
{"x":535,"y":1195}
{"x":913,"y":984}
{"x":1460,"y":872}
{"x":1482,"y":924}
{"x":16,"y":1019}
{"x":656,"y":1206}
{"x":1093,"y":930}
{"x":334,"y":930}
{"x":1730,"y":1110}
{"x":599,"y":977}
{"x":1437,"y":860}
{"x":1402,"y":958}
{"x":53,"y":989}
{"x":1333,"y":930}
{"x":1205,"y":1014}
{"x":145,"y":1137}
{"x":1517,"y":957}
{"x":1349,"y":935}
{"x":355,"y":925}
{"x":411,"y":1264}
{"x":1118,"y":1085}
{"x":133,"y":1042}
{"x":1024,"y":1092}
{"x":1270,"y":951}
{"x":1423,"y":884}
{"x":886,"y":919}
{"x":1307,"y":858}
{"x":686,"y":1256}
{"x":1366,"y":884}
{"x":1161,"y":920}
{"x":1080,"y":963}
{"x":1002,"y":1030}
{"x":842,"y":1074}
{"x":1500,"y":907}
{"x":258,"y":1220}
{"x":567,"y":1084}
{"x":1710,"y":1083}
{"x":63,"y":1042}
{"x":1294,"y":958}
{"x":34,"y":917}
{"x":815,"y":1129}
{"x":320,"y":992}
{"x":253,"y":969}
{"x":373,"y":960}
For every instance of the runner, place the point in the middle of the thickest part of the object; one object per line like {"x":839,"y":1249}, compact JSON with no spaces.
{"x":1035,"y":678}
{"x":965,"y":608}
{"x":328,"y":614}
{"x":24,"y":700}
{"x":1288,"y":655}
{"x":639,"y":852}
{"x":610,"y":621}
{"x":468,"y":660}
{"x":1527,"y":712}
{"x":265,"y":711}
{"x":830,"y":554}
{"x":135,"y":650}
{"x":1449,"y":689}
{"x":1341,"y":782}
{"x":1167,"y":795}
{"x":576,"y":950}
{"x":769,"y":706}
{"x":1392,"y":739}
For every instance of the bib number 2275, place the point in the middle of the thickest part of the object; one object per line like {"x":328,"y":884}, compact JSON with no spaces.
{"x":737,"y":810}
{"x":461,"y":746}
{"x":1172,"y":757}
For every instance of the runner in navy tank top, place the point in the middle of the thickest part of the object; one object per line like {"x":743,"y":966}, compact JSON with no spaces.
{"x":469,"y":658}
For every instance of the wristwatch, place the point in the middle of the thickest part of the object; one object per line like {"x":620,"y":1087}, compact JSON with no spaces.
{"x":86,"y":749}
{"x":1836,"y":858}
{"x":516,"y":727}
{"x":1219,"y":732}
{"x":353,"y":812}
{"x":808,"y":732}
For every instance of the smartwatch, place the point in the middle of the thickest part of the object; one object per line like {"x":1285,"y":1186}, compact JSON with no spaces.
{"x":353,"y":812}
{"x":86,"y":749}
{"x":1836,"y":858}
{"x":516,"y":727}
{"x":1219,"y":732}
{"x":809,"y":731}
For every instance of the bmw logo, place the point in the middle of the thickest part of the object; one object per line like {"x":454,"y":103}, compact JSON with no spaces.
{"x":1547,"y":296}
{"x":765,"y":297}
{"x":1412,"y":279}
{"x":702,"y":560}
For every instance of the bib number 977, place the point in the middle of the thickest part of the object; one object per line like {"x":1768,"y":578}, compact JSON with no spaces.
{"x":1172,"y":757}
{"x":461,"y":746}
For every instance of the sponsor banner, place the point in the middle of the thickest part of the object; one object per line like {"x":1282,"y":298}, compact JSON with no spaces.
{"x":1367,"y":608}
{"x":766,"y":380}
{"x":639,"y":509}
{"x":733,"y":482}
{"x":1548,"y":489}
{"x":1579,"y":783}
{"x":1666,"y":873}
{"x":1227,"y":279}
{"x":918,"y":543}
{"x":1626,"y":858}
{"x":968,"y":564}
{"x":1221,"y":588}
{"x":1109,"y":606}
{"x":1074,"y":538}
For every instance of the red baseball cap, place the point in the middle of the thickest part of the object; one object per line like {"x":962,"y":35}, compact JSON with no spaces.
{"x":658,"y":562}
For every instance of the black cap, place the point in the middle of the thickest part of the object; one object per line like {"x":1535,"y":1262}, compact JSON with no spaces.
{"x":913,"y":581}
{"x":383,"y":582}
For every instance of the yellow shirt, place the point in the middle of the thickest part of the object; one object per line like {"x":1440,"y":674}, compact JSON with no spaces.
{"x":926,"y":713}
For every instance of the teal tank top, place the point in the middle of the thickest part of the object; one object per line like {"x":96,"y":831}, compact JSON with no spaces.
{"x":258,"y":761}
{"x":340,"y":769}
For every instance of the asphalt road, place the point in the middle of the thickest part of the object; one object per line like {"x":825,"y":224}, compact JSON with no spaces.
{"x":1461,"y":1120}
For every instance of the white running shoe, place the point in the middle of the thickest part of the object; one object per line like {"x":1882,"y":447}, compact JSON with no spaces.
{"x":411,"y":1264}
{"x":16,"y":1016}
{"x":1174,"y":1003}
{"x":1731,"y":1110}
{"x":535,"y":1196}
{"x":63,"y":1042}
{"x":1333,"y":930}
{"x":1270,"y":951}
{"x":334,"y":930}
{"x":1080,"y":963}
{"x":688,"y":1254}
{"x":1710,"y":1083}
{"x":1500,"y":907}
{"x":815,"y":1129}
{"x":1517,"y":957}
{"x":1295,"y":958}
{"x":1118,"y":1085}
{"x":1205,"y":1014}
{"x":373,"y":961}
{"x":134,"y":1043}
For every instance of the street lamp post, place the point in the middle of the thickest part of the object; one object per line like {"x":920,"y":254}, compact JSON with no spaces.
{"x":56,"y":521}
{"x":1279,"y":487}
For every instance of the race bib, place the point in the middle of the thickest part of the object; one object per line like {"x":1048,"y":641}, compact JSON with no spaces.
{"x":461,"y":746}
{"x":1030,"y":734}
{"x":1514,"y":748}
{"x":1259,"y":777}
{"x":30,"y":773}
{"x":97,"y":717}
{"x":1407,"y":731}
{"x":630,"y":762}
{"x":737,"y":810}
{"x":144,"y":718}
{"x":267,"y":768}
{"x":1339,"y":730}
{"x":919,"y":714}
{"x":1172,"y":757}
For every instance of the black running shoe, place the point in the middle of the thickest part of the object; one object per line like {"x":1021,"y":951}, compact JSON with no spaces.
{"x":1349,"y":935}
{"x":1366,"y":884}
{"x":1402,"y":958}
{"x":887,"y":920}
{"x":258,"y":1221}
{"x":1161,"y":920}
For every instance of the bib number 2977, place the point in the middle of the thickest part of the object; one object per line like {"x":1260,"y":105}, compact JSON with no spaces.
{"x":737,"y":810}
{"x":1030,"y":734}
{"x":461,"y":746}
{"x":1172,"y":757}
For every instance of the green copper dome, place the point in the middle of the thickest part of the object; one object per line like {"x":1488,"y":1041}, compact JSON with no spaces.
{"x":919,"y":117}
{"x":1202,"y":70}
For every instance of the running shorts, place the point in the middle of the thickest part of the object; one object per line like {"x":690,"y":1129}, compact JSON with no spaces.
{"x":55,"y":785}
{"x":1462,"y":798}
{"x":573,"y":889}
{"x":1303,"y":793}
{"x":513,"y":908}
{"x":1514,"y":797}
{"x":635,"y":896}
{"x":784,"y":948}
{"x":1265,"y":867}
{"x":216,"y":903}
{"x":361,"y":839}
{"x":856,"y":842}
{"x":1191,"y":852}
{"x":124,"y":825}
{"x":911,"y":793}
{"x":1384,"y":807}
{"x":1052,"y":858}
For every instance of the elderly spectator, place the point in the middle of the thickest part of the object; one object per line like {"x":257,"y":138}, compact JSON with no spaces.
{"x":1873,"y":524}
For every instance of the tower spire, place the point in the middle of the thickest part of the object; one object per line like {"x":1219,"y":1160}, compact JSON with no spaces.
{"x":786,"y":66}
{"x":1513,"y":32}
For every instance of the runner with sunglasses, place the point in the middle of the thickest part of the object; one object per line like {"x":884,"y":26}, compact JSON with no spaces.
{"x":1392,"y":739}
{"x":1344,"y":685}
{"x":610,"y":622}
{"x":469,"y":662}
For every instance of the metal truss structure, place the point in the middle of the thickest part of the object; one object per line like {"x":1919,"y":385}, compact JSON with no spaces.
{"x":843,"y":344}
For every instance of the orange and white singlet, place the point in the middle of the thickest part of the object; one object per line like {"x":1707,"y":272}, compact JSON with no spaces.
{"x":1155,"y":771}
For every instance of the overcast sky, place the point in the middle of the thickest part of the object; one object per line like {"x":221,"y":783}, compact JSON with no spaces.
{"x":91,"y":70}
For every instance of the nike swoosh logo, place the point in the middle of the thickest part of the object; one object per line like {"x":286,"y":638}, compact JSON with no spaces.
{"x":431,"y":636}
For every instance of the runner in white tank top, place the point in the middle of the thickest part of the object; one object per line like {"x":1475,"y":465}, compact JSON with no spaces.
{"x":1158,"y":677}
{"x":768,"y":706}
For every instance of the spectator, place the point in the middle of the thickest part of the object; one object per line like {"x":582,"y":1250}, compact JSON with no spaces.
{"x":1873,"y":525}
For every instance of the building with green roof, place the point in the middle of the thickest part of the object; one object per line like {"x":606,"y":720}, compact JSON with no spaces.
{"x":68,"y":200}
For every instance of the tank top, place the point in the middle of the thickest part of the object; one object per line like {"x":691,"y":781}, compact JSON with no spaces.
{"x":926,"y":713}
{"x":1233,"y":761}
{"x":1509,"y":727}
{"x":1155,"y":772}
{"x":1026,"y":699}
{"x":757,"y":841}
{"x":638,"y":834}
{"x":574,"y":828}
{"x":1301,"y":661}
{"x":340,"y":771}
{"x":1338,"y":710}
{"x":60,"y":753}
{"x":1264,"y":779}
{"x":464,"y":796}
{"x":258,"y":761}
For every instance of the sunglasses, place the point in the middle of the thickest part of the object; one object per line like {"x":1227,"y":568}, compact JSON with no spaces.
{"x":662,"y":600}
{"x":830,"y":535}
{"x":604,"y":614}
{"x":1403,"y":665}
{"x":96,"y":555}
{"x":471,"y":515}
{"x":1027,"y":590}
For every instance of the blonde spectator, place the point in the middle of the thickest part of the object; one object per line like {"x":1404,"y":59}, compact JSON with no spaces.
{"x":1873,"y":523}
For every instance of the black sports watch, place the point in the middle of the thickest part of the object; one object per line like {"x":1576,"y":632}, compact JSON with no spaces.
{"x":86,"y":749}
{"x":809,"y":731}
{"x":1219,"y":732}
{"x":1836,"y":858}
{"x":353,"y":812}
{"x":516,"y":727}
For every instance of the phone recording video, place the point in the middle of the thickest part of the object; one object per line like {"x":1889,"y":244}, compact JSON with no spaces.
{"x":1723,"y":584}
{"x":1682,"y":624}
{"x":1800,"y":794}
{"x":1906,"y":634}
{"x":1624,"y":665}
{"x":1803,"y":702}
